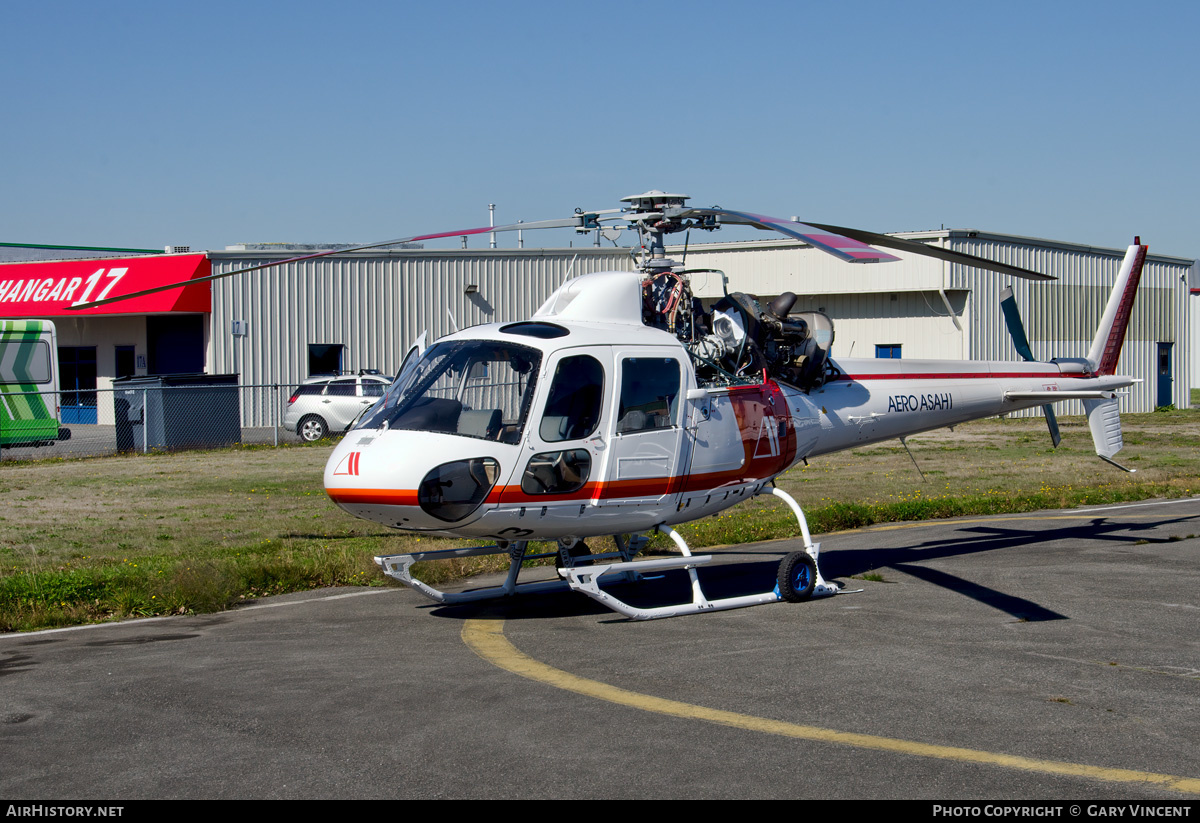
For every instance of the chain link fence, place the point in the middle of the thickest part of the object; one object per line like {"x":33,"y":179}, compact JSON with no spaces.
{"x":149,"y":415}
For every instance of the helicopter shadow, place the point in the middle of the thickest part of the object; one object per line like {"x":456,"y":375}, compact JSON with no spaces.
{"x":719,"y":581}
{"x":756,"y":571}
{"x":976,"y":539}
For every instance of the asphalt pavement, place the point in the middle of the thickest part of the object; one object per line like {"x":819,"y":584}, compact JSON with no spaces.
{"x":1039,"y":656}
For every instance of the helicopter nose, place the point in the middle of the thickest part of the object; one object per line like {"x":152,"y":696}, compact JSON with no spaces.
{"x":412,"y":480}
{"x":452,"y":491}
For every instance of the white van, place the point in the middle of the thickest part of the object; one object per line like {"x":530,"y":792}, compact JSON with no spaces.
{"x":29,"y":397}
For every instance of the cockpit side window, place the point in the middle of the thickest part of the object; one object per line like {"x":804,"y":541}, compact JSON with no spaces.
{"x":573,"y":406}
{"x":649,"y":394}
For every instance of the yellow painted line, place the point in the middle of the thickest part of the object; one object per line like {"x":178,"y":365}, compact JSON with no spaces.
{"x":486,"y":638}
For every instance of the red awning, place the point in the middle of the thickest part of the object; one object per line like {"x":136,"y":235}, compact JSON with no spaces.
{"x":48,"y":288}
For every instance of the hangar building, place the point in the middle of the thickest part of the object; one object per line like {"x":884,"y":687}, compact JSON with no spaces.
{"x":362,"y":310}
{"x":926,"y":308}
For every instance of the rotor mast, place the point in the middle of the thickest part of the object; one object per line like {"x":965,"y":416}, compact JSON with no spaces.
{"x":651,"y":213}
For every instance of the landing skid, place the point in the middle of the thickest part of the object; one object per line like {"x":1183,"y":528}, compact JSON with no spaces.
{"x":399,"y":567}
{"x":821,"y":586}
{"x":798,"y":578}
{"x":586,"y":580}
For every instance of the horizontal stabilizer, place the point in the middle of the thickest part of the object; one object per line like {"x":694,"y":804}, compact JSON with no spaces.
{"x":1055,"y":396}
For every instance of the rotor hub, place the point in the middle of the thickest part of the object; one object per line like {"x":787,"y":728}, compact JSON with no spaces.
{"x":655,"y":200}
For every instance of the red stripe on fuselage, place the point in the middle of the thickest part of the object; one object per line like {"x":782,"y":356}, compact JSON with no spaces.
{"x":951,"y":376}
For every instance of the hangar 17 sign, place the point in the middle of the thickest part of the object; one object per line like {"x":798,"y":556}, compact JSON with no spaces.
{"x":49,"y":289}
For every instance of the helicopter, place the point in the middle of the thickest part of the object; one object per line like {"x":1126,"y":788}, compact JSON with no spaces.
{"x":624,"y":406}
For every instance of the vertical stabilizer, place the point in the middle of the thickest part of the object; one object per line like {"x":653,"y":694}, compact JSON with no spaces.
{"x":1106,"y":347}
{"x":1104,"y":419}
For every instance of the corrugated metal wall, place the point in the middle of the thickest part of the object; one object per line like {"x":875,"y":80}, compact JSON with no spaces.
{"x":1194,"y":332}
{"x":1061,"y":316}
{"x":917,"y":321}
{"x":374,"y":303}
{"x":872,"y":304}
{"x":1194,"y":323}
{"x":775,"y":266}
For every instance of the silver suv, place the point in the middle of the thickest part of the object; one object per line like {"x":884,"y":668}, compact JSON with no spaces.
{"x":330,"y":404}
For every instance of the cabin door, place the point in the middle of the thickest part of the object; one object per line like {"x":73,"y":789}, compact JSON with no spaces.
{"x":645,"y":428}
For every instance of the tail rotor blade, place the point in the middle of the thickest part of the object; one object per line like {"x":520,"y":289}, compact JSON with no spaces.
{"x":1016,"y":329}
{"x":1052,"y":424}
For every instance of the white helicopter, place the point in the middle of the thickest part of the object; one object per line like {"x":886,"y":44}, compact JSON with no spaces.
{"x":622,"y":407}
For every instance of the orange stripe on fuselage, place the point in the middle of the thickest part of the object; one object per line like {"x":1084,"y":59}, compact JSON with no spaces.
{"x":388,"y":497}
{"x":615,"y":490}
{"x":755,"y":410}
{"x":515,"y":494}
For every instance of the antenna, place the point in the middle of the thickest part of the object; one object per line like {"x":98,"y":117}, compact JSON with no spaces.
{"x":904,"y":443}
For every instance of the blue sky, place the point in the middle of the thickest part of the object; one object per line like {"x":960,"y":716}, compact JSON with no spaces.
{"x":142,"y":124}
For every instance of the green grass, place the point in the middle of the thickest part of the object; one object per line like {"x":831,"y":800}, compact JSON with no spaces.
{"x":873,"y":577}
{"x":114,"y":537}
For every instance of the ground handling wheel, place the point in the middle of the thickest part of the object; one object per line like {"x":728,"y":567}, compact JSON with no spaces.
{"x":577,"y":552}
{"x":796,"y":577}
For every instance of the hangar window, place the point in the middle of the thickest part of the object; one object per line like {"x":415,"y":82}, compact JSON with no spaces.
{"x":325,"y":358}
{"x":887,"y":351}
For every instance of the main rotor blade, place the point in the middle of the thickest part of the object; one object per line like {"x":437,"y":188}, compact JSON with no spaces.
{"x":564,"y":223}
{"x":837,"y":243}
{"x":855,"y":245}
{"x":890,"y":242}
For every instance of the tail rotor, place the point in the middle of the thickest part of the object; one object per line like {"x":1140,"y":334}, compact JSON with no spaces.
{"x":1016,"y":330}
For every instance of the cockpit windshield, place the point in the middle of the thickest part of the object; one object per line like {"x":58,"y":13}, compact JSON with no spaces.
{"x":475,"y":388}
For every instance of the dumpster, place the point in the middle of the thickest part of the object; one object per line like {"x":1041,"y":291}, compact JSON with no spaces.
{"x":167,"y":412}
